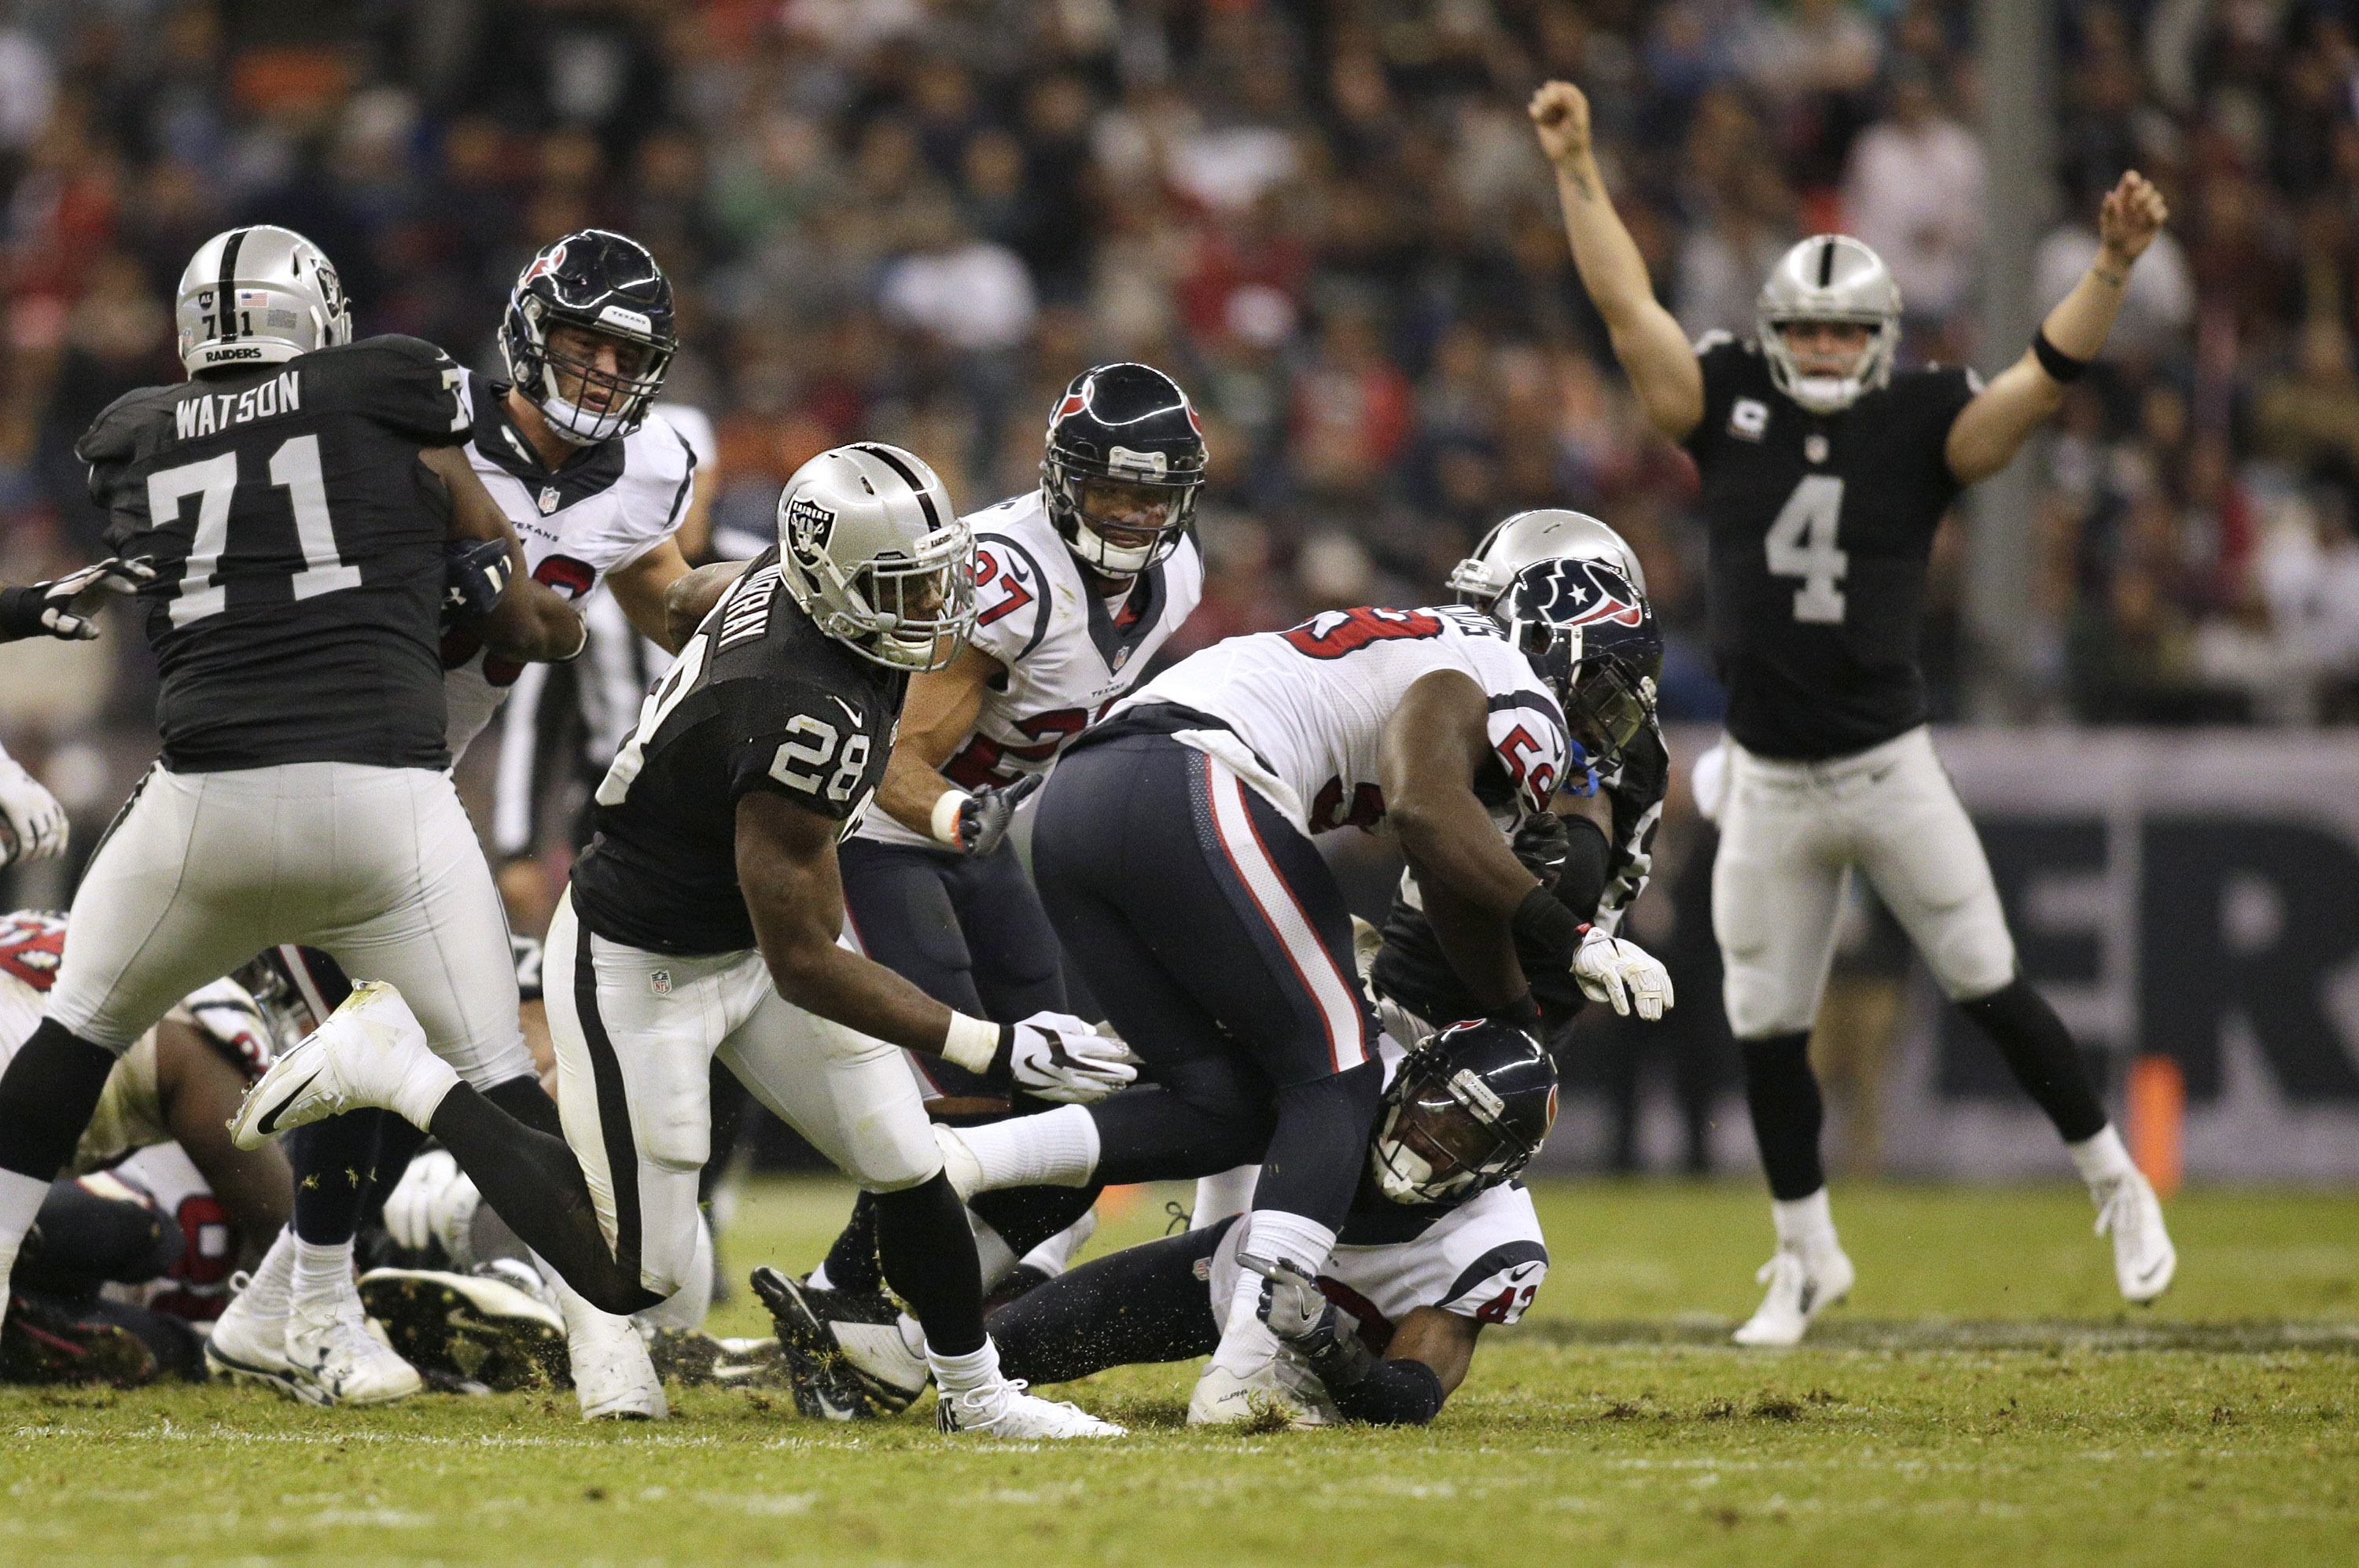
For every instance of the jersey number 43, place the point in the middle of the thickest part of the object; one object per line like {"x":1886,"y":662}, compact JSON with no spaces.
{"x":1801,"y":544}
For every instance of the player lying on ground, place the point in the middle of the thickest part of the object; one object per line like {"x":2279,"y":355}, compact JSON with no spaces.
{"x":1438,"y":1240}
{"x":1825,"y":473}
{"x":594,"y":489}
{"x":179,"y":1082}
{"x":1077,"y":583}
{"x":296,"y":497}
{"x":704,"y":920}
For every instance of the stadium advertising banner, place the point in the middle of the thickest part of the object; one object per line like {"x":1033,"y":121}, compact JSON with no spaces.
{"x":2191,"y":895}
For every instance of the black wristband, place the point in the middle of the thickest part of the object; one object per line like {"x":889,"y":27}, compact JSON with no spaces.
{"x":1543,"y":922}
{"x":2061,"y":367}
{"x":1002,"y":1057}
{"x":20,"y":612}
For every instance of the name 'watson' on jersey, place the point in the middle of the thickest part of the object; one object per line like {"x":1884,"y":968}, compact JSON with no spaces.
{"x":297,"y":544}
{"x":1068,"y":655}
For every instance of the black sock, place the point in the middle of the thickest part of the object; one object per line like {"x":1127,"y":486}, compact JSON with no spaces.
{"x":852,"y":1262}
{"x":927,"y":1252}
{"x":1143,"y":1303}
{"x":534,"y":1182}
{"x":2039,"y":1051}
{"x":335,"y":1163}
{"x":45,"y":1097}
{"x":1783,"y":1094}
{"x":1027,"y":1217}
{"x":1319,"y":1149}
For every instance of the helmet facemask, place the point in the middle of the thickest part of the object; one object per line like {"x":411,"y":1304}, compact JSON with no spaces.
{"x":1830,"y":279}
{"x":1831,"y":394}
{"x":870,"y":548}
{"x":541,"y":367}
{"x":922,"y":609}
{"x":1076,"y":500}
{"x":1549,"y":612}
{"x":1441,"y":1140}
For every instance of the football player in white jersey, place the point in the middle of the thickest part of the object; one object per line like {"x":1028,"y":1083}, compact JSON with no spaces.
{"x":1174,"y":856}
{"x":1077,"y":583}
{"x":594,"y":490}
{"x":1439,"y":1239}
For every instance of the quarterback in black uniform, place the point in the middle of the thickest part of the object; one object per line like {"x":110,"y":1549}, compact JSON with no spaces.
{"x":702,"y":921}
{"x":296,"y":497}
{"x":1825,"y":473}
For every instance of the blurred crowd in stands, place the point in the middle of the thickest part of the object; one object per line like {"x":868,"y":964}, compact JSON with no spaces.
{"x":916,"y":219}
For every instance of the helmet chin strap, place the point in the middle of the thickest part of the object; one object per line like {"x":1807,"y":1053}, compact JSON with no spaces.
{"x":1112,"y":559}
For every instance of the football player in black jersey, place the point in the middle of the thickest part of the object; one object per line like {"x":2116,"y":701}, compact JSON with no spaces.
{"x":704,"y":921}
{"x":1825,"y":473}
{"x":299,"y":496}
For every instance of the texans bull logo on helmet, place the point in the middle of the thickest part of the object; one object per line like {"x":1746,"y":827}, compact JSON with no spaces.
{"x":1579,"y":593}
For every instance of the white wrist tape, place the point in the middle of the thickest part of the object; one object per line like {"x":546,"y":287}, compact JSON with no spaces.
{"x":971,"y":1044}
{"x":946,"y":816}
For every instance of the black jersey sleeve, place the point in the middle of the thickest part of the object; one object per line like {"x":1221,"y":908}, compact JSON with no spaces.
{"x":1930,"y":400}
{"x":1721,"y":359}
{"x":1635,"y":797}
{"x":799,"y":741}
{"x":405,"y":383}
{"x":113,"y":439}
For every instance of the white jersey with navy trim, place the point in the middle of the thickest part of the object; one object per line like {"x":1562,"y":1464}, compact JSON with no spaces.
{"x":602,"y":510}
{"x":1309,"y":706}
{"x":1484,"y":1259}
{"x":1069,"y":655}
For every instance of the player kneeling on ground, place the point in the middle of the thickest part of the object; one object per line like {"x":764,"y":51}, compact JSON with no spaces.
{"x":1439,"y":1239}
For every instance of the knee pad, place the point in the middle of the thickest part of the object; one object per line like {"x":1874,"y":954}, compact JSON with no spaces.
{"x":1761,"y":1003}
{"x":892,"y":1149}
{"x":1972,"y":955}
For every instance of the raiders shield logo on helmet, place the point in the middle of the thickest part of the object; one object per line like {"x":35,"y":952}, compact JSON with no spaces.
{"x":810,"y":526}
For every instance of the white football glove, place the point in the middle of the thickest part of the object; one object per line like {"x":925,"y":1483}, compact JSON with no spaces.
{"x":1621,"y":973}
{"x":35,"y":822}
{"x":1056,"y":1056}
{"x":70,"y":605}
{"x":435,"y":1202}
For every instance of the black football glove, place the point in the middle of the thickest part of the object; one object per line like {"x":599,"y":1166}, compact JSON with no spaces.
{"x":983,"y":819}
{"x":67,"y":609}
{"x":474,"y":575}
{"x":1543,"y":843}
{"x":1307,"y":1323}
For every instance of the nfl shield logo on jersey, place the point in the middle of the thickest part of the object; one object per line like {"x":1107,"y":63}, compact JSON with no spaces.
{"x":659,"y":982}
{"x":548,"y":499}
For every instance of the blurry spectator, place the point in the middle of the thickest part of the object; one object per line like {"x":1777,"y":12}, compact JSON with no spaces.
{"x":1915,"y":192}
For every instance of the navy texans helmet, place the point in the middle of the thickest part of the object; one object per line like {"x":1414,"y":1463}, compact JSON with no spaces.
{"x":1126,"y":455}
{"x":1467,"y":1110}
{"x":1591,"y":635}
{"x":605,"y":283}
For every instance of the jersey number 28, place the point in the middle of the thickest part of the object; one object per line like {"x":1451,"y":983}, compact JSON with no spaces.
{"x":1802,"y":544}
{"x":294,"y":468}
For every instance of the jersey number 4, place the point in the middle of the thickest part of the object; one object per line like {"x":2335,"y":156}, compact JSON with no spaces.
{"x":1802,"y":544}
{"x":294,"y":468}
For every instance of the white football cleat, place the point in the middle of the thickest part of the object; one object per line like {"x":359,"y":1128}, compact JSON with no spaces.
{"x":614,"y":1376}
{"x":333,"y":1359}
{"x":2144,"y":1259}
{"x":1001,"y":1407}
{"x":371,"y":1052}
{"x":1800,"y":1288}
{"x":1226,"y":1398}
{"x":249,"y":1345}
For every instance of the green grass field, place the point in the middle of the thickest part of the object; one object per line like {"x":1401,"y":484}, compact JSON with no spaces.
{"x":1985,"y":1399}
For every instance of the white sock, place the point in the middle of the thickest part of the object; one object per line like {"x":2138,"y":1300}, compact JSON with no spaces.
{"x":1807,"y":1225}
{"x":965,"y":1374}
{"x":2101,"y":1156}
{"x":324,"y":1276}
{"x":992,"y":1253}
{"x":1054,"y":1149}
{"x":424,"y":1083}
{"x":20,"y":1203}
{"x":270,"y":1293}
{"x":816,"y":1278}
{"x":1054,"y":1255}
{"x":1296,"y":1238}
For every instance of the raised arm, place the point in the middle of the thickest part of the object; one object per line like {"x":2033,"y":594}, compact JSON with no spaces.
{"x":1989,"y":431}
{"x":1470,"y":882}
{"x":1648,"y":340}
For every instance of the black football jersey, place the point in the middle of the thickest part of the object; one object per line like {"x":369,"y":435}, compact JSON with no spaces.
{"x":1820,"y":525}
{"x":297,"y":544}
{"x":761,"y":699}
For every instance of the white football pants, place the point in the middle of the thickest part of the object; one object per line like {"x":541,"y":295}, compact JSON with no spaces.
{"x":1791,"y":832}
{"x":635,"y":1034}
{"x":378,"y":866}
